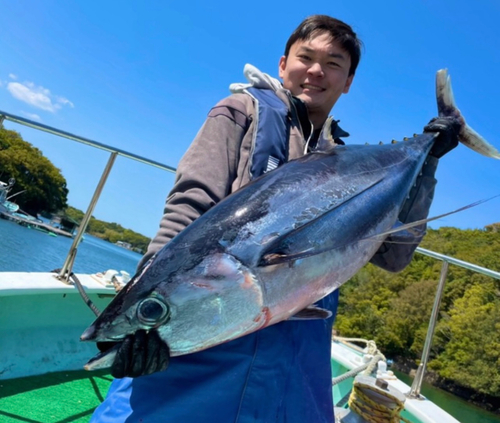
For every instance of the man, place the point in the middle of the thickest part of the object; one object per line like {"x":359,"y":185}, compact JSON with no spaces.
{"x":281,"y":373}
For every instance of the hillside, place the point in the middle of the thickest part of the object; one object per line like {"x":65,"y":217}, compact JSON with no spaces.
{"x":111,"y":232}
{"x":394,"y":310}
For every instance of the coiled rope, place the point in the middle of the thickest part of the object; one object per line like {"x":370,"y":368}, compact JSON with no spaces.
{"x":372,"y":411}
{"x":359,"y":401}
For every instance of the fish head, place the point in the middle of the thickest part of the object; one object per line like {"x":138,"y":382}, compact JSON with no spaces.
{"x":139,"y":305}
{"x":215,"y":300}
{"x":123,"y":317}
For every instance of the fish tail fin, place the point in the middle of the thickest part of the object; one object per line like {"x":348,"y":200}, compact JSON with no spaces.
{"x":447,"y":107}
{"x":476,"y":142}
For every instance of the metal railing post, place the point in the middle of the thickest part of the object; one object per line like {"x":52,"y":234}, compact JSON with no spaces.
{"x":68,"y":264}
{"x":70,"y":258}
{"x":419,"y":377}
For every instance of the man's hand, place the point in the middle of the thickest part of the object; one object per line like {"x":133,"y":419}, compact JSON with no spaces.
{"x":140,"y":354}
{"x":448,"y":129}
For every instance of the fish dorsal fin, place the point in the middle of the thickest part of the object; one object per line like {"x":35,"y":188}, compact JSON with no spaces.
{"x":330,"y":135}
{"x":326,"y":141}
{"x":312,"y":313}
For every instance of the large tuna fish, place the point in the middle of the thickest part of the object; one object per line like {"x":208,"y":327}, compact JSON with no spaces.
{"x":274,"y":248}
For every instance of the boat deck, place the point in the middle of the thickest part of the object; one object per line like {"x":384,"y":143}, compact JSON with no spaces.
{"x":60,"y":397}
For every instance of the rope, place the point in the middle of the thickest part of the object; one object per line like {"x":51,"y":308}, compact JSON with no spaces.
{"x":372,"y":411}
{"x":349,"y":374}
{"x":82,"y":292}
{"x":84,"y":295}
{"x":371,"y":347}
{"x":359,"y":401}
{"x":367,"y":367}
{"x":375,"y":412}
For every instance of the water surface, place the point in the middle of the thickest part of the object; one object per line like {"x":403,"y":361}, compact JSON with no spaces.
{"x":29,"y":250}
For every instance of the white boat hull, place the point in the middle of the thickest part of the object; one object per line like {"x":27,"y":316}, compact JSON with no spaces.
{"x":41,"y":320}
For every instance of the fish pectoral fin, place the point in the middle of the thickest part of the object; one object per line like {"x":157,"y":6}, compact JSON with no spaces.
{"x":279,"y":258}
{"x":312,"y":313}
{"x":303,"y":241}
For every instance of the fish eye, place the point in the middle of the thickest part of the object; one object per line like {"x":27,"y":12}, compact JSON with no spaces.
{"x":152,"y":311}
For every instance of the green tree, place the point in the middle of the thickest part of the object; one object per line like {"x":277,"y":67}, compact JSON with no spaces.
{"x":408,"y":314}
{"x":394,"y":309}
{"x":75,"y":214}
{"x":471,"y":355}
{"x":44,"y":187}
{"x":111,"y":232}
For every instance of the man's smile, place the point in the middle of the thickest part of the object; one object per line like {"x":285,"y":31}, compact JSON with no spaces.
{"x":312,"y":87}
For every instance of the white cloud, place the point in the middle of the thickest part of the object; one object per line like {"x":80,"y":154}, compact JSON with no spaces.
{"x":65,"y":102}
{"x":32,"y":116}
{"x":12,"y":76}
{"x":37,"y":96}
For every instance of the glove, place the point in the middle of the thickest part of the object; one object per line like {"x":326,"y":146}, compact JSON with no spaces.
{"x":140,"y":354}
{"x":448,"y":128}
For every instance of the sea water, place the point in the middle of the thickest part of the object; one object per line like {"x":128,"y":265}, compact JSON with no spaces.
{"x":29,"y":250}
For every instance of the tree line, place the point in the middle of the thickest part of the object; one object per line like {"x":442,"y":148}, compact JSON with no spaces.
{"x":40,"y":188}
{"x":111,"y":232}
{"x":40,"y":184}
{"x":394,"y":310}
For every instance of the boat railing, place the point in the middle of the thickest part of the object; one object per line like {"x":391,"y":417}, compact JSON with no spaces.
{"x":447,"y":260}
{"x":114,"y":152}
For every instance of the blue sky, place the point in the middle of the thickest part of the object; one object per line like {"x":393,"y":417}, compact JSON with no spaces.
{"x":142,"y":76}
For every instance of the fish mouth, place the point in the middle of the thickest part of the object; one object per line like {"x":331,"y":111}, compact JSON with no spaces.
{"x":108,"y":348}
{"x":89,"y":334}
{"x":104,"y":359}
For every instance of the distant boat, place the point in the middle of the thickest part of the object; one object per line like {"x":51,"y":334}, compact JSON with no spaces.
{"x":124,"y":244}
{"x":11,"y":211}
{"x":5,"y":205}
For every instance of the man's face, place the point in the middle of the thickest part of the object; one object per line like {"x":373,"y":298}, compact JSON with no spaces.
{"x":317,"y":72}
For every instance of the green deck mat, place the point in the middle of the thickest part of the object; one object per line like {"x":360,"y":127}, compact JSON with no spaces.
{"x":61,"y":397}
